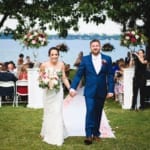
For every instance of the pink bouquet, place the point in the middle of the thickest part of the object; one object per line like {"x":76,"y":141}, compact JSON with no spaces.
{"x":50,"y":79}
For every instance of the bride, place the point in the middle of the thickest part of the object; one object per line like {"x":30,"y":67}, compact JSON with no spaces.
{"x":53,"y":72}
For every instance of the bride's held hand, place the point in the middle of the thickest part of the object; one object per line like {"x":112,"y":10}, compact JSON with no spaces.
{"x":109,"y":95}
{"x":72,"y":92}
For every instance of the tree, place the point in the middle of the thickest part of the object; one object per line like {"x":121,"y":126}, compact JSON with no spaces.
{"x":126,"y":12}
{"x":60,"y":15}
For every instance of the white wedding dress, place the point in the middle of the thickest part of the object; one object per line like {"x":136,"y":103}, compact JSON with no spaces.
{"x":53,"y":129}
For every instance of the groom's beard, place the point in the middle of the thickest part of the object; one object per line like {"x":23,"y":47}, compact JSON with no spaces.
{"x":95,"y":52}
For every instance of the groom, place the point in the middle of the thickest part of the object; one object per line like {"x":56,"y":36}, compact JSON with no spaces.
{"x":99,"y":84}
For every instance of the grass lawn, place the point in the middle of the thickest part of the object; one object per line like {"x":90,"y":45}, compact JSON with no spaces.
{"x":20,"y":128}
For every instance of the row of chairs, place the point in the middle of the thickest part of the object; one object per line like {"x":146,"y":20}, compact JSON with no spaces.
{"x":16,"y":93}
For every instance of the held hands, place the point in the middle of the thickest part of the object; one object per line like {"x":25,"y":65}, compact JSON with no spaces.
{"x":72,"y":92}
{"x":109,"y":95}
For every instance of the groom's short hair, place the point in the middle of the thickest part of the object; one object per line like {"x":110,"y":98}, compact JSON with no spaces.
{"x":95,"y":40}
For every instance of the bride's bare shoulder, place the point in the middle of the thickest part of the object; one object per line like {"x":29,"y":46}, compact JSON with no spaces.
{"x":61,"y":64}
{"x":45,"y":64}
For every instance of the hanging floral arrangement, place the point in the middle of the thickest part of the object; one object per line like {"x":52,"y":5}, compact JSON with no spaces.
{"x":35,"y":39}
{"x":133,"y":38}
{"x":107,"y":47}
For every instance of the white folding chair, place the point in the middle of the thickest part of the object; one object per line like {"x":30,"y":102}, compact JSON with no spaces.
{"x":20,"y":83}
{"x":7,"y":84}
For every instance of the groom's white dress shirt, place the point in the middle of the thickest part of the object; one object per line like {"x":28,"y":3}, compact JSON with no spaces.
{"x":97,"y":62}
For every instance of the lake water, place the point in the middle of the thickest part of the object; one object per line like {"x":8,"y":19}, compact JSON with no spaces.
{"x":10,"y":49}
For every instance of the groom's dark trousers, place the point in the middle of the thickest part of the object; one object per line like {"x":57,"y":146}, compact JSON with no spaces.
{"x":94,"y":107}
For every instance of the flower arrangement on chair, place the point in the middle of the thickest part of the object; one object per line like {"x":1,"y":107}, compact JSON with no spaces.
{"x":107,"y":47}
{"x":35,"y":39}
{"x":133,"y":38}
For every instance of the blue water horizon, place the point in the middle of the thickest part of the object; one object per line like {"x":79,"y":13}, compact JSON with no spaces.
{"x":10,"y":49}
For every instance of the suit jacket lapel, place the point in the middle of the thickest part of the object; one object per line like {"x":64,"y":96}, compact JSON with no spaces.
{"x":102,"y":58}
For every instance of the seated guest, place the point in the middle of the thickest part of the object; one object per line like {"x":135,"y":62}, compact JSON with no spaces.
{"x":23,"y":75}
{"x":28,"y":61}
{"x":20,"y":62}
{"x":139,"y":79}
{"x":6,"y":76}
{"x":12,"y":68}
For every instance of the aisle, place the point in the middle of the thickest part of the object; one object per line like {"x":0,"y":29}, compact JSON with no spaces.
{"x":74,"y":117}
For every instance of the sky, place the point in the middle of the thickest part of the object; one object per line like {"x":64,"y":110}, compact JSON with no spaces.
{"x":108,"y":28}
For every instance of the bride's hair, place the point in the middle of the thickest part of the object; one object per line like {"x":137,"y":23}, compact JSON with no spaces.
{"x":53,"y":48}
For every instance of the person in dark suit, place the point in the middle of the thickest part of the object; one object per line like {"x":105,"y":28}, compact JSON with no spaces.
{"x":6,"y":76}
{"x":99,"y":84}
{"x":139,"y":79}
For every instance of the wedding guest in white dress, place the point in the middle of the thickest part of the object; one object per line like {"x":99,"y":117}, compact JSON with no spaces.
{"x":52,"y":73}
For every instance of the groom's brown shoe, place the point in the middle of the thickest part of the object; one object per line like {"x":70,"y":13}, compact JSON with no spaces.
{"x":88,"y":141}
{"x":96,"y":138}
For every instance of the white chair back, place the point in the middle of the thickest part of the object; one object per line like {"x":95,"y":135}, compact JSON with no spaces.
{"x":7,"y":84}
{"x":22,"y":83}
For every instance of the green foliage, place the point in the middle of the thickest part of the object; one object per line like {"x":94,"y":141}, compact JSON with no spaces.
{"x":60,"y":15}
{"x":127,"y":12}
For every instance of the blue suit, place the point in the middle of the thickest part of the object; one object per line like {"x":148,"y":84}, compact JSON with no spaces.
{"x":96,"y":88}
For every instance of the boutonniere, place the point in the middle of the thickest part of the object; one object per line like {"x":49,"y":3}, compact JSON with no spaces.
{"x":104,"y":61}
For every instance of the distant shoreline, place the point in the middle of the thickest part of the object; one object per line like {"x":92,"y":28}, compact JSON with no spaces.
{"x":74,"y":37}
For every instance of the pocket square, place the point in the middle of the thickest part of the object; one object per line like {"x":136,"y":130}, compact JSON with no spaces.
{"x":104,"y":61}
